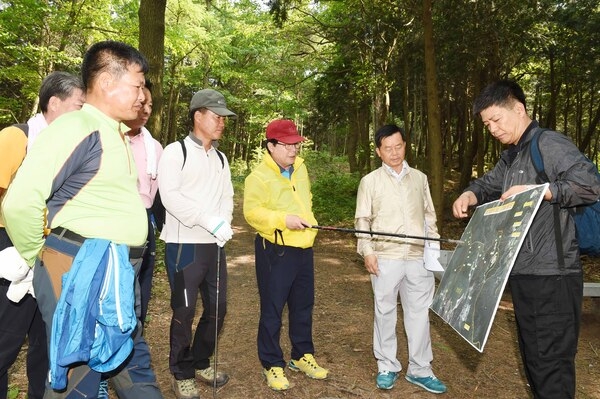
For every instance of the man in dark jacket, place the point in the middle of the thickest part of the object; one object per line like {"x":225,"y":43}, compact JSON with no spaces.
{"x":546,"y":281}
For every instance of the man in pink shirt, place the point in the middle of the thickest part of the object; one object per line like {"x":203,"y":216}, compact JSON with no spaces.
{"x":146,"y":153}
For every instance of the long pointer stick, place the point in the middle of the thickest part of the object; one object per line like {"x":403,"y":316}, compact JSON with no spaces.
{"x":379,"y":233}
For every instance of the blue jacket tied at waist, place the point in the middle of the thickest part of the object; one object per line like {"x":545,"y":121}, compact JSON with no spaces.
{"x":95,"y":315}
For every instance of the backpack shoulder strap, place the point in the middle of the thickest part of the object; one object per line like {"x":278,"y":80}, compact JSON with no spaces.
{"x":24,"y":127}
{"x":536,"y":156}
{"x":184,"y":152}
{"x":220,"y":154}
{"x":538,"y":164}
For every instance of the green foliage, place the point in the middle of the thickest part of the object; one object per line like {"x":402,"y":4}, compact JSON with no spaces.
{"x":332,"y":66}
{"x":239,"y":171}
{"x":37,"y":38}
{"x":333,"y":187}
{"x":159,"y":262}
{"x":13,"y":392}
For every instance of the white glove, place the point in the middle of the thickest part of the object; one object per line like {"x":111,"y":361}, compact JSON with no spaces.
{"x":12,"y":265}
{"x":219,"y":228}
{"x":14,"y":268}
{"x":19,"y":288}
{"x":431,"y":255}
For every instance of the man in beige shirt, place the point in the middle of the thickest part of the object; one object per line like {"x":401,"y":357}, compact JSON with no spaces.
{"x":395,"y":198}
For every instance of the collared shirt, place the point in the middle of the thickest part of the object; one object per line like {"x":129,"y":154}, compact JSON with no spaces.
{"x":396,"y":175}
{"x":13,"y":148}
{"x":395,"y":203}
{"x":147,"y":186}
{"x":287,"y":173}
{"x":13,"y":144}
{"x":269,"y":197}
{"x":83,"y":172}
{"x":194,"y":193}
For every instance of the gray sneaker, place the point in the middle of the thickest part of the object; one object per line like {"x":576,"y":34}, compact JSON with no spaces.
{"x":185,"y":389}
{"x":207,"y":376}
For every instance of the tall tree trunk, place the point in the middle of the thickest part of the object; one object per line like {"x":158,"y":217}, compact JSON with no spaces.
{"x":434,"y":139}
{"x":591,"y":132}
{"x":406,"y":115}
{"x":151,"y":15}
{"x":381,"y":104}
{"x":554,"y":91}
{"x":352,"y":142}
{"x":364,"y":146}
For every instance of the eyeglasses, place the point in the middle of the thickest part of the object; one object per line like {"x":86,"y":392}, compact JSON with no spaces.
{"x":289,"y":147}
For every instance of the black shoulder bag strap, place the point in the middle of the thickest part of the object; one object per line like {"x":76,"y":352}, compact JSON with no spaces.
{"x":538,"y":164}
{"x":185,"y":154}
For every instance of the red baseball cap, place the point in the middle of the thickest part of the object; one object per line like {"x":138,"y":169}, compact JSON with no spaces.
{"x":283,"y":130}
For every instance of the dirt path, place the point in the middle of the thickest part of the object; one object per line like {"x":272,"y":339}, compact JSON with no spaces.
{"x":343,"y":337}
{"x":343,"y":323}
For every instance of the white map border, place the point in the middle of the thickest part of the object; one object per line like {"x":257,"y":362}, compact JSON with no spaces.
{"x":449,"y":301}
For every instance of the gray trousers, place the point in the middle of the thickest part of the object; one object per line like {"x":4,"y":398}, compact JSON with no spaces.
{"x":415,"y":285}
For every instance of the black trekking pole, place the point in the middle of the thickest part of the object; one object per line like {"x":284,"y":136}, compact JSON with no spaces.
{"x":379,"y":233}
{"x":216,"y":356}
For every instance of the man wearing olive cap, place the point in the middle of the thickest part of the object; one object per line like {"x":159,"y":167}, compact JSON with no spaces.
{"x":278,"y":204}
{"x":196,"y":190}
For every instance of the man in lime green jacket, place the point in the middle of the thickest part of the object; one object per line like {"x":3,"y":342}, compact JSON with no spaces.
{"x":278,"y":204}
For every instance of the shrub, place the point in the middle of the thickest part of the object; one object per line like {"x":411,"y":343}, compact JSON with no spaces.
{"x":333,"y":187}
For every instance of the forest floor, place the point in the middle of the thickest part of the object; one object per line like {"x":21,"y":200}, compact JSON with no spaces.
{"x":342,"y":332}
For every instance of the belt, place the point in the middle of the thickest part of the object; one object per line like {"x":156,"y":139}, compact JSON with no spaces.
{"x":61,"y":232}
{"x":137,"y":252}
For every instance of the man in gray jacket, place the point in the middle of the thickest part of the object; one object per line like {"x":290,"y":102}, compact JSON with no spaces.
{"x":546,"y":281}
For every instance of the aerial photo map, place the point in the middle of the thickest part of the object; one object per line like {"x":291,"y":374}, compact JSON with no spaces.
{"x":471,"y":287}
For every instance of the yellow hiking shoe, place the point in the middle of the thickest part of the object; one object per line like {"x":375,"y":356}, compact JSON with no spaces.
{"x":276,"y":379}
{"x":308,"y":365}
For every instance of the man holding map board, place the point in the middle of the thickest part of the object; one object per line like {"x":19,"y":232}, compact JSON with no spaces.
{"x":546,"y":281}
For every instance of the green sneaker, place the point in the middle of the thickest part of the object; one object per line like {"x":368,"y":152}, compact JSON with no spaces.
{"x":308,"y":365}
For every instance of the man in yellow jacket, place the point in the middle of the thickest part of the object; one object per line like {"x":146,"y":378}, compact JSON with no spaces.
{"x":278,"y":204}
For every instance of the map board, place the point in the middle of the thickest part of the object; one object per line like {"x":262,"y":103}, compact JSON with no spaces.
{"x":471,"y":287}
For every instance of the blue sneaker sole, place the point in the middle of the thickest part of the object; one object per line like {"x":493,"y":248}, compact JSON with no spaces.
{"x":417,"y":383}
